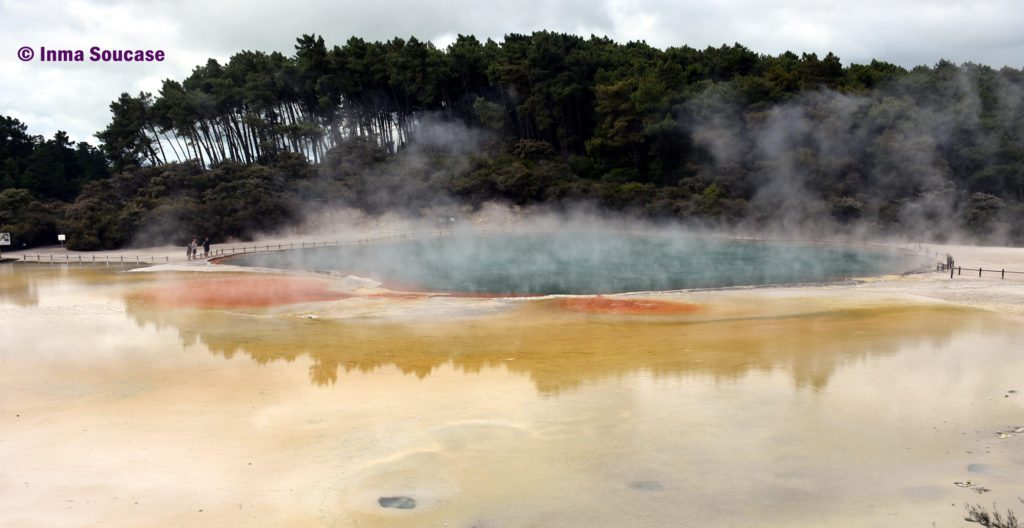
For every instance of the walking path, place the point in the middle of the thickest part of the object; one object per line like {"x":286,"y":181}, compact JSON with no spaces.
{"x":176,"y":255}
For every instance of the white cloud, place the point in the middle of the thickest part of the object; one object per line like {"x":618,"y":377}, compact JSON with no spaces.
{"x":75,"y":97}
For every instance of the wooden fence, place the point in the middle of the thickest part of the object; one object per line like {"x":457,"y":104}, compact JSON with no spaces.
{"x":256,"y":248}
{"x":49,"y":258}
{"x":958,"y":271}
{"x":94,"y":259}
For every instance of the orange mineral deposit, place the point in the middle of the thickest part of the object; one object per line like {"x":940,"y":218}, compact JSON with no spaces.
{"x":239,"y":292}
{"x":607,"y":305}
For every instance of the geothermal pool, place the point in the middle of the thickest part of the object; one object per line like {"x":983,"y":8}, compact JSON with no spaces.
{"x":124,"y":405}
{"x":586,"y":262}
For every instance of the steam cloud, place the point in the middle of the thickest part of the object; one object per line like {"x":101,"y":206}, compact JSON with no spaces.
{"x":823,"y":164}
{"x":886,"y":153}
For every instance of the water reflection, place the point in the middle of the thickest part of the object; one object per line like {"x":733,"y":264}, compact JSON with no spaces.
{"x":23,"y":284}
{"x":16,"y":288}
{"x":559,"y":351}
{"x":689,"y":416}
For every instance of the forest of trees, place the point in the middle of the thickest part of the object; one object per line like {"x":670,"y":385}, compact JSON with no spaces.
{"x":38,"y":177}
{"x":719,"y":136}
{"x":589,"y":97}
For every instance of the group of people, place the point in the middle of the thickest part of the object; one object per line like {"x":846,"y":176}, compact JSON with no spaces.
{"x":192,"y":250}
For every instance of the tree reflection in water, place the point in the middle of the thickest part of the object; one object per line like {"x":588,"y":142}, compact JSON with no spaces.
{"x":559,"y":350}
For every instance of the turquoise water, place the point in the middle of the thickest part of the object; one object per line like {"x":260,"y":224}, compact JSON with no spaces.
{"x":585,"y":262}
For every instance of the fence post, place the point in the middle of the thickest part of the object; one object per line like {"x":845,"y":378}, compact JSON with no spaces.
{"x":979,"y":271}
{"x":951,"y":272}
{"x":1003,"y":274}
{"x":959,"y":269}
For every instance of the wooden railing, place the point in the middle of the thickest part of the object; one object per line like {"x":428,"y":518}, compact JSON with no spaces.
{"x":48,"y":258}
{"x":94,"y":259}
{"x":256,"y":248}
{"x":958,"y":270}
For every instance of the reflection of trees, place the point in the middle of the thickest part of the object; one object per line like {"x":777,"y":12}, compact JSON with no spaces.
{"x":559,"y":351}
{"x":18,"y":287}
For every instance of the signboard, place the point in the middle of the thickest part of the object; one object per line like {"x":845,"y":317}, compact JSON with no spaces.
{"x":5,"y":239}
{"x":60,"y":238}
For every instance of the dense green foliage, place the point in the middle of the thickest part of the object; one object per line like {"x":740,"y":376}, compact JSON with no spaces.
{"x":37,"y":177}
{"x":716,"y":136}
{"x":591,"y":97}
{"x":53,"y":169}
{"x":177,"y":202}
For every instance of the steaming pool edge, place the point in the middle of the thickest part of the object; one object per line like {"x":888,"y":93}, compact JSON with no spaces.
{"x":532,"y":264}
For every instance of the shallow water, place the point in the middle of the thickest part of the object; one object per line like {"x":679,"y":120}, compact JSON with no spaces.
{"x":586,"y":262}
{"x":768,"y":408}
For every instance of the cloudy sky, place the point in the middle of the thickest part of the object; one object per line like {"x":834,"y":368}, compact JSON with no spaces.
{"x":75,"y":96}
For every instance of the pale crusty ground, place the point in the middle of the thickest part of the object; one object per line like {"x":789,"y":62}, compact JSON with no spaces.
{"x":988,"y":292}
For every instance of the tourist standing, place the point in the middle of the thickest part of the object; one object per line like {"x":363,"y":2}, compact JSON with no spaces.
{"x":206,"y":247}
